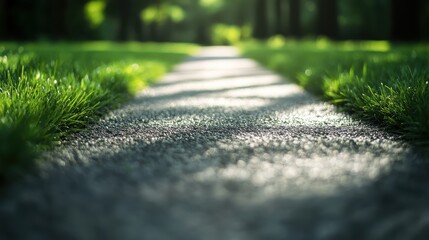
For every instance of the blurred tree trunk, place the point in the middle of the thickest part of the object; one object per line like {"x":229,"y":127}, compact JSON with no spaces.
{"x":152,"y":31}
{"x":138,"y":28}
{"x":124,"y":19}
{"x":295,"y":18}
{"x":405,"y":17}
{"x":158,"y":25}
{"x":202,"y":31}
{"x":5,"y":23}
{"x":58,"y":13}
{"x":76,"y":24}
{"x":327,"y":18}
{"x":279,"y":23}
{"x":137,"y":23}
{"x":261,"y":20}
{"x":168,"y":29}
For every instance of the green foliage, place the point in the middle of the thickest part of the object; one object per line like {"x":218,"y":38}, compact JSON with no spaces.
{"x":380,"y":82}
{"x":94,"y":11}
{"x":212,"y":5}
{"x":229,"y":34}
{"x":162,"y":13}
{"x":180,"y":20}
{"x":48,"y":91}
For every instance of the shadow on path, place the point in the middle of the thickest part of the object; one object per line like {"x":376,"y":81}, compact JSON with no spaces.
{"x":233,"y":155}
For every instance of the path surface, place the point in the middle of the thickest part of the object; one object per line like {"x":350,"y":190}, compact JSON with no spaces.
{"x":223,"y":149}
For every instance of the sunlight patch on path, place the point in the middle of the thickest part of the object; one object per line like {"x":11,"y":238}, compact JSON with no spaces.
{"x":219,"y":149}
{"x":299,"y":145}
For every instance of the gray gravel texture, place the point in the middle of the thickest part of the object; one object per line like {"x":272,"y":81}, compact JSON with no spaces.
{"x":223,"y":149}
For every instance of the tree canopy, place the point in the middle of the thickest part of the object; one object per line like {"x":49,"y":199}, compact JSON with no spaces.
{"x":212,"y":21}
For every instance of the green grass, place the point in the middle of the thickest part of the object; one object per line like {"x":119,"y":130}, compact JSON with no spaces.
{"x":48,"y":91}
{"x":378,"y":81}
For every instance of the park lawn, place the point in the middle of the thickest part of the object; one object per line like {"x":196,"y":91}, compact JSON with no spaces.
{"x":49,"y":90}
{"x":375,"y":80}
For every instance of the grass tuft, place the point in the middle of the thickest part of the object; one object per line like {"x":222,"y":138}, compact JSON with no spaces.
{"x":48,"y":91}
{"x":380,"y":82}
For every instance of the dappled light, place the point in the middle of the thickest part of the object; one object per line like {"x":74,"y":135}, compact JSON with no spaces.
{"x":312,"y":151}
{"x":224,"y":79}
{"x":262,"y":152}
{"x":214,"y":119}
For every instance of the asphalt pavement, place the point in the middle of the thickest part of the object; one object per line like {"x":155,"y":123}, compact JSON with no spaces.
{"x":223,"y":149}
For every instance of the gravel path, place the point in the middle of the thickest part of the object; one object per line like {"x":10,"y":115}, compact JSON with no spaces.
{"x":223,"y":149}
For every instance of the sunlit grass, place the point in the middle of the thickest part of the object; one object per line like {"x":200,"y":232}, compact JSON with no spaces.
{"x":48,"y":91}
{"x":378,"y":81}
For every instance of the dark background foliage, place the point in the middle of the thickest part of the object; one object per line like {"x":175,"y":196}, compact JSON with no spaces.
{"x":197,"y":20}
